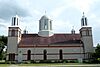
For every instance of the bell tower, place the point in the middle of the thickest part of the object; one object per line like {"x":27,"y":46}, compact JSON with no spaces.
{"x":15,"y":20}
{"x":45,"y":27}
{"x":86,"y":37}
{"x":84,"y":20}
{"x":14,"y":37}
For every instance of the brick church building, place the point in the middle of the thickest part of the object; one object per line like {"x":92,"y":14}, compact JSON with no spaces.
{"x":47,"y":45}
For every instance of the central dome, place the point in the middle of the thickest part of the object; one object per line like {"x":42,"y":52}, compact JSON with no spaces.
{"x":44,"y":17}
{"x":45,"y":27}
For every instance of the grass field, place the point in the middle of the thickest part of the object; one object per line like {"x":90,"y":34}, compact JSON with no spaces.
{"x":4,"y":65}
{"x":51,"y":65}
{"x":41,"y":64}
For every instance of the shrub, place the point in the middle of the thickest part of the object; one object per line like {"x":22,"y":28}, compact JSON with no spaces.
{"x":73,"y":61}
{"x":48,"y":61}
{"x":10,"y":62}
{"x":2,"y":62}
{"x":64,"y":61}
{"x":45,"y":61}
{"x":94,"y":61}
{"x":32,"y":61}
{"x":26,"y":62}
{"x":58,"y":61}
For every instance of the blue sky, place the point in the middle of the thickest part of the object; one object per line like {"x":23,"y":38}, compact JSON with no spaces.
{"x":64,"y":13}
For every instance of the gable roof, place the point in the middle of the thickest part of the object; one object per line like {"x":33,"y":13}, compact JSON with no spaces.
{"x":34,"y":39}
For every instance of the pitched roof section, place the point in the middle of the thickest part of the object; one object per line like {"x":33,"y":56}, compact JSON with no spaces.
{"x":34,"y":39}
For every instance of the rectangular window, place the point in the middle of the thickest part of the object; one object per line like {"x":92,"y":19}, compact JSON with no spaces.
{"x":86,"y":21}
{"x":17,"y":21}
{"x":82,"y":21}
{"x":87,"y":32}
{"x":81,"y":33}
{"x":11,"y":57}
{"x":14,"y":20}
{"x":50,"y":25}
{"x":40,"y":25}
{"x":13,"y":33}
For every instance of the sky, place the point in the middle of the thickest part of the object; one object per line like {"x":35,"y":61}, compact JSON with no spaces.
{"x":65,"y":14}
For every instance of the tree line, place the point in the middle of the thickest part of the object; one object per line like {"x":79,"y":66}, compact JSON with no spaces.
{"x":3,"y":44}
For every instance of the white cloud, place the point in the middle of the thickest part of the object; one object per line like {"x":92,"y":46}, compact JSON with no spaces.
{"x":94,"y":20}
{"x":83,"y":5}
{"x":55,"y":13}
{"x":29,"y":24}
{"x":3,"y":27}
{"x":60,"y":26}
{"x":37,"y":12}
{"x":32,"y":10}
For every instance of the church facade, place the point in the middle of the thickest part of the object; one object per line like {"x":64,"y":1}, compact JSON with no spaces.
{"x":47,"y":45}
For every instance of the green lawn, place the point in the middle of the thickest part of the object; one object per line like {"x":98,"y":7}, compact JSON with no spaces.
{"x":43,"y":64}
{"x":51,"y":64}
{"x":4,"y":65}
{"x":38,"y":64}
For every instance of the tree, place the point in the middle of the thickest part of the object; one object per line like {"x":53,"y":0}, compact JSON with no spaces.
{"x":97,"y":50}
{"x":4,"y":39}
{"x":3,"y":43}
{"x":96,"y":55}
{"x":1,"y":49}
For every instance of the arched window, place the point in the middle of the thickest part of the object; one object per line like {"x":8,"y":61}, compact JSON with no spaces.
{"x":60,"y":54}
{"x":28,"y":55}
{"x":45,"y":55}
